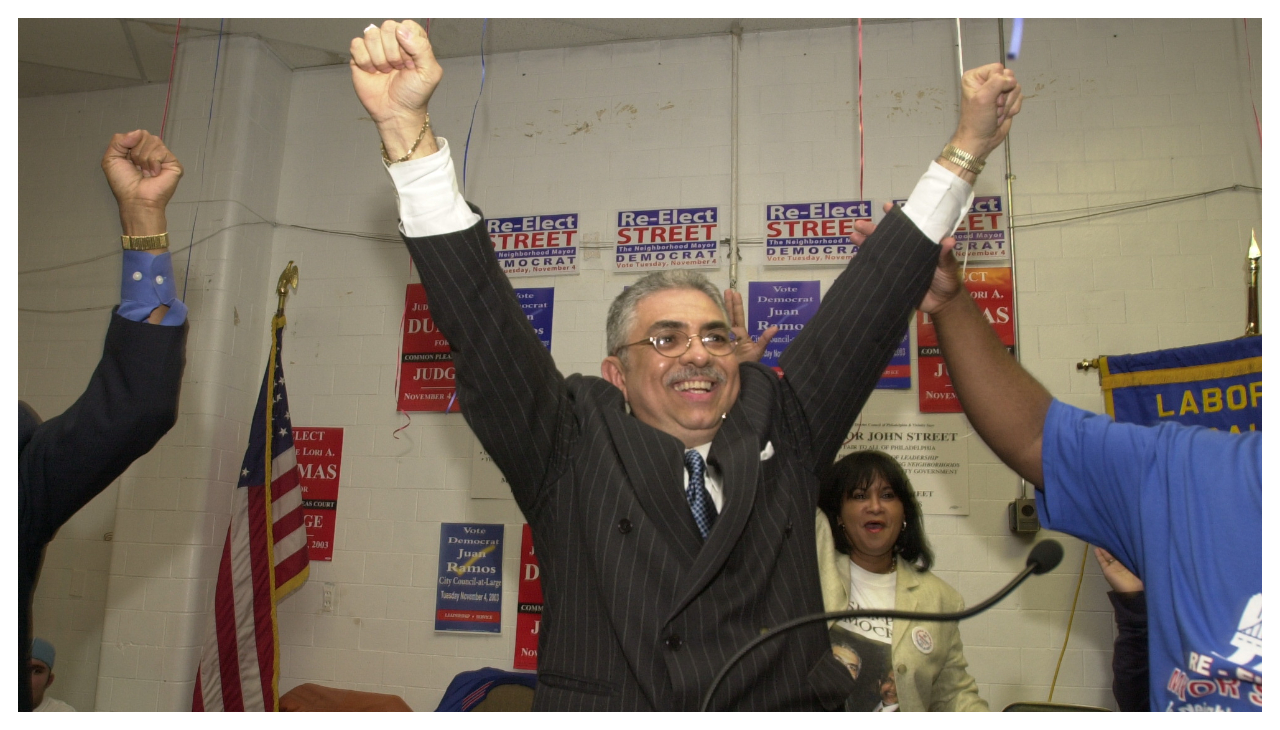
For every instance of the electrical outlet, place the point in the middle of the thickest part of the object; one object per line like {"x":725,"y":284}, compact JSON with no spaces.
{"x":328,"y":598}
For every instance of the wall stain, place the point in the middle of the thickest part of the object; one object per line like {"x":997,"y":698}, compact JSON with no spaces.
{"x":584,"y":127}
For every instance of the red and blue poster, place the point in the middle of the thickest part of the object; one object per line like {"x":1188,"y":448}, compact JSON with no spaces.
{"x":535,"y":245}
{"x":992,"y":291}
{"x":787,"y":304}
{"x":319,"y":454}
{"x":529,"y":605}
{"x":805,"y":234}
{"x":539,"y":305}
{"x":426,"y":381}
{"x":669,"y":238}
{"x":469,"y":582}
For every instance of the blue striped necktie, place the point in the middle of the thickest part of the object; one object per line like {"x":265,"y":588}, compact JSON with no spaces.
{"x":704,"y":510}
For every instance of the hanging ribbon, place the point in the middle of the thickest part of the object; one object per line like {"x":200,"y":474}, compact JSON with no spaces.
{"x":172,"y":60}
{"x":862,"y":157}
{"x":1249,"y":53}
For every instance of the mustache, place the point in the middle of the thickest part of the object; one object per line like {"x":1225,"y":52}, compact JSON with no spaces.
{"x":693,"y":372}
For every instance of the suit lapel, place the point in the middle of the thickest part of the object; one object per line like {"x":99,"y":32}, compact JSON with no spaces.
{"x":736,"y":453}
{"x":652,"y":460}
{"x":904,"y":600}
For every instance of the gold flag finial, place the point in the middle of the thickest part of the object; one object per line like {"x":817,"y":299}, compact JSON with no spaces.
{"x":288,"y":278}
{"x":1253,"y":321}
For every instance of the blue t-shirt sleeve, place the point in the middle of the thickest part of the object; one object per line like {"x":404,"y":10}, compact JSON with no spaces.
{"x":146,"y":282}
{"x":1094,"y":469}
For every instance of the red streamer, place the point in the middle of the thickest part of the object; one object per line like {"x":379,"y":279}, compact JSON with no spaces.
{"x":862,"y":158}
{"x":172,"y":62}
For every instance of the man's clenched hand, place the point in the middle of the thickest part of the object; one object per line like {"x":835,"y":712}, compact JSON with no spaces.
{"x":990,"y":97}
{"x":143,"y":175}
{"x":395,"y":72}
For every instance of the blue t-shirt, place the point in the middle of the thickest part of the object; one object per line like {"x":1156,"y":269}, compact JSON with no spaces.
{"x":1182,"y":506}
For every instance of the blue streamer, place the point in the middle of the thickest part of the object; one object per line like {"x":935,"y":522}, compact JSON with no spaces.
{"x":1015,"y":39}
{"x":217,"y":59}
{"x":467,"y":149}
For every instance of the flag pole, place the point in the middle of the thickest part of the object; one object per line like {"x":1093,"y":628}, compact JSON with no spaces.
{"x":288,"y":277}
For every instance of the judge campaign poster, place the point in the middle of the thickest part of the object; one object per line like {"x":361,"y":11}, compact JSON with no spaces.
{"x":982,"y":238}
{"x":787,"y":304}
{"x":668,"y":238}
{"x":319,"y":454}
{"x":539,"y":306}
{"x":469,"y":582}
{"x":992,"y":291}
{"x":933,"y":450}
{"x":536,"y":245}
{"x":426,"y":378}
{"x":529,"y":605}
{"x":805,"y":234}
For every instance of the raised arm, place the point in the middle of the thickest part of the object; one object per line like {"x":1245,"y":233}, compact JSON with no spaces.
{"x":833,"y":365}
{"x":132,"y":398}
{"x":1005,"y":404}
{"x":509,"y":389}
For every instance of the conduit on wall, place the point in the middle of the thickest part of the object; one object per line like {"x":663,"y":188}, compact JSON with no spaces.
{"x":735,"y":43}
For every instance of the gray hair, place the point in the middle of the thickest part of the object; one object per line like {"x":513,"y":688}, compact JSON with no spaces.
{"x":622,"y":313}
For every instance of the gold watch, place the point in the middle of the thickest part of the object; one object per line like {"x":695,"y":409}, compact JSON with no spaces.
{"x":145,"y":243}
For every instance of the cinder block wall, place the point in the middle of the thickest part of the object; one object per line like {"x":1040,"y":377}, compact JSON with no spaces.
{"x":1117,"y":111}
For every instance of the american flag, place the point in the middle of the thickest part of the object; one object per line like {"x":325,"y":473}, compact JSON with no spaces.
{"x":240,"y":666}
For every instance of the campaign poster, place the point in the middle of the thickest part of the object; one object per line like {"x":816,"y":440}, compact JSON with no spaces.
{"x":805,"y":234}
{"x":426,"y":381}
{"x":932,"y":449}
{"x":668,"y":238}
{"x":982,"y":237}
{"x":538,"y":305}
{"x":992,"y":291}
{"x":897,"y":374}
{"x":787,"y":304}
{"x":529,"y":605}
{"x":469,"y":584}
{"x":319,"y":454}
{"x":535,"y":245}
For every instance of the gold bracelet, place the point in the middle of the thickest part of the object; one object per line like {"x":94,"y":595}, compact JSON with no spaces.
{"x":951,"y":153}
{"x":426,"y":124}
{"x":145,"y":243}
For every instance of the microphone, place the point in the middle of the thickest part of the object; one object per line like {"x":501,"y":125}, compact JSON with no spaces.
{"x":1043,"y":558}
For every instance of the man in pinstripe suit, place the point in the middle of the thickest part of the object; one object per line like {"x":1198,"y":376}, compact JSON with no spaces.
{"x":671,"y":501}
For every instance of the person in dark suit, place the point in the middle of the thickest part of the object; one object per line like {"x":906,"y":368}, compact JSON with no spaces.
{"x":132,"y":397}
{"x":672,"y":500}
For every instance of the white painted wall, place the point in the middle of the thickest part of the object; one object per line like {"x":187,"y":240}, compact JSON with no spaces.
{"x":1117,"y":111}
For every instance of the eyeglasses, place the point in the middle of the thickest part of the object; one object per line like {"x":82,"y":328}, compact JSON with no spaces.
{"x":674,"y":343}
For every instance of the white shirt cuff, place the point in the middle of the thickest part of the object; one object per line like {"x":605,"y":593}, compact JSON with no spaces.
{"x":428,"y":196}
{"x":939,"y":202}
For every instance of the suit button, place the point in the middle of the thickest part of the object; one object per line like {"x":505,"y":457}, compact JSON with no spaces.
{"x":787,"y":530}
{"x":674,"y":642}
{"x":624,"y":525}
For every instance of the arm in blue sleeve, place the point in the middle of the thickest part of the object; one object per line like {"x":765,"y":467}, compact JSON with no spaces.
{"x":147,"y":282}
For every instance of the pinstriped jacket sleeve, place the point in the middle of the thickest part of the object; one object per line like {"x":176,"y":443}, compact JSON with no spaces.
{"x":833,"y":365}
{"x":509,"y":389}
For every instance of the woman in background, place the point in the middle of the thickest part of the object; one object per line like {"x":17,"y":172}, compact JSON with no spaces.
{"x":872,"y":553}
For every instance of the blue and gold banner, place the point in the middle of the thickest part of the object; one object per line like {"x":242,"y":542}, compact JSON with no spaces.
{"x":1218,"y":385}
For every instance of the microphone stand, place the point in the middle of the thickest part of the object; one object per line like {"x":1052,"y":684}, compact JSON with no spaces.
{"x":1033,"y":567}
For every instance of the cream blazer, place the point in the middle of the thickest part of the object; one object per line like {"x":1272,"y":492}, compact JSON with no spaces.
{"x":928,"y":658}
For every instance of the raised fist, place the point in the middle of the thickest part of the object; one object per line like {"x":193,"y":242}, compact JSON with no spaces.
{"x":143,"y":175}
{"x":395,"y":73}
{"x":990,"y":97}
